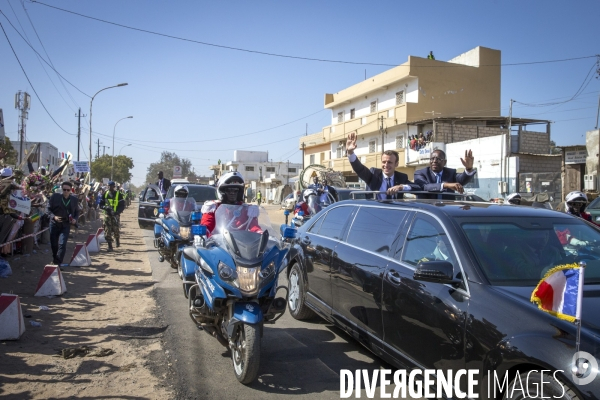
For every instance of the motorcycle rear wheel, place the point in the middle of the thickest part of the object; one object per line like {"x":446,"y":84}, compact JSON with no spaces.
{"x":246,"y":353}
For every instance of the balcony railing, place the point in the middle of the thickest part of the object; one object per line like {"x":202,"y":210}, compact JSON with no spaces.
{"x":363,"y":125}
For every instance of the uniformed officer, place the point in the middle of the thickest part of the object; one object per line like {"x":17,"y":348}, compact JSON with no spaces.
{"x":113,"y":205}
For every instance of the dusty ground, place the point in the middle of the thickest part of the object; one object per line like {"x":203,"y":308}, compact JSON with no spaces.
{"x":109,"y":306}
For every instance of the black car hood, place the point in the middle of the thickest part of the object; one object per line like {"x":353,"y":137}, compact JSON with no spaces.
{"x":590,"y":317}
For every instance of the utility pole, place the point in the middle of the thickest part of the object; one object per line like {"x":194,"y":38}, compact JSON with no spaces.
{"x":78,"y":115}
{"x":22,"y":103}
{"x":98,"y":153}
{"x":104,"y":151}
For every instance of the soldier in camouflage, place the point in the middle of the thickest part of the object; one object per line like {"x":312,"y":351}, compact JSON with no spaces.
{"x":113,"y":204}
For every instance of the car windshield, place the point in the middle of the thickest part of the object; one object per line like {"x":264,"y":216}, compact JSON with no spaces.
{"x":199,"y":193}
{"x":520,"y":253}
{"x":594,"y":205}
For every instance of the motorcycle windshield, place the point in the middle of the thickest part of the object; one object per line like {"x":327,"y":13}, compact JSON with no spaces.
{"x":181,"y":209}
{"x":246,"y":224}
{"x":314,"y":205}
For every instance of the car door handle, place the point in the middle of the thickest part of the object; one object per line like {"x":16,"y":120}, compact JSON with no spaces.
{"x":394,"y":277}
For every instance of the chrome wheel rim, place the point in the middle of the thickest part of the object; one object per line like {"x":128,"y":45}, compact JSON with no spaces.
{"x":238,"y":352}
{"x":294,"y":296}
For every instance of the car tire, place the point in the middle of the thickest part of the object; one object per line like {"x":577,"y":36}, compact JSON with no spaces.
{"x":297,"y":295}
{"x":532,"y":384}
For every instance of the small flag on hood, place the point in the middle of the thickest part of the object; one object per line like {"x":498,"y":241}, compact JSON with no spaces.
{"x":560,"y":292}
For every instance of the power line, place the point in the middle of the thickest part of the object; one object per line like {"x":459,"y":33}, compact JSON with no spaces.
{"x":42,"y":58}
{"x":287,"y":55}
{"x":28,"y":80}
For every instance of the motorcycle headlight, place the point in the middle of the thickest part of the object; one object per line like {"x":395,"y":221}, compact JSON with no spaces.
{"x":268,"y":271}
{"x":184,"y":232}
{"x":248,"y":279}
{"x":226,"y":272}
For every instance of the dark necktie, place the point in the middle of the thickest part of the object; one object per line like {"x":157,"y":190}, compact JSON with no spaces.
{"x":438,"y":179}
{"x":389,"y":185}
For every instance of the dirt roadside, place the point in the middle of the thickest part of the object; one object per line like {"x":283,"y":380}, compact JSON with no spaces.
{"x":107,"y":306}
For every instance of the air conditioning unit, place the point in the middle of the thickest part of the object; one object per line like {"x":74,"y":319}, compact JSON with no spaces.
{"x":590,"y":182}
{"x":502,"y":187}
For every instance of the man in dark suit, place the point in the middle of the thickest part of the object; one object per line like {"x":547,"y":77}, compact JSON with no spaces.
{"x":438,"y":178}
{"x":63,"y":212}
{"x":384,"y":179}
{"x":163,"y":183}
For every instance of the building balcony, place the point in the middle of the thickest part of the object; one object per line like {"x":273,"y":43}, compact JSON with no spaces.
{"x":366,"y":124}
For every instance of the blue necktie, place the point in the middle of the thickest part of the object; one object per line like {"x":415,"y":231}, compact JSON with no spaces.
{"x":389,"y":185}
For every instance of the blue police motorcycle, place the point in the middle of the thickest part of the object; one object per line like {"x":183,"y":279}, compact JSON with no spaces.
{"x":231,"y":280}
{"x":172,"y":233}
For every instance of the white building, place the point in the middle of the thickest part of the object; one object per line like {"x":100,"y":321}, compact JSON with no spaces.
{"x":259,"y":172}
{"x":46,"y":154}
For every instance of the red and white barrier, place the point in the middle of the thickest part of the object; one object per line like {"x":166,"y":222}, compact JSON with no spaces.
{"x":92,"y":244}
{"x":51,"y":283}
{"x":100,"y":236}
{"x":12,"y":325}
{"x":81,"y":257}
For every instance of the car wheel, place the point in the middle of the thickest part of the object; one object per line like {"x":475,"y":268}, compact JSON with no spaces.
{"x":527,"y":385}
{"x":297,"y":295}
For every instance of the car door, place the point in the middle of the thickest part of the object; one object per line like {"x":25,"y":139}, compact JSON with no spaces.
{"x":318,"y":243}
{"x":358,"y":265}
{"x":148,"y":207}
{"x":424,"y":322}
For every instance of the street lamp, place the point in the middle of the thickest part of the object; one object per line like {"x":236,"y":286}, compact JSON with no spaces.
{"x":112,"y":166}
{"x":91,"y":103}
{"x":124,"y":147}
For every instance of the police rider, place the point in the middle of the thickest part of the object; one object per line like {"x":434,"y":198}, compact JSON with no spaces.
{"x":182,"y":192}
{"x":113,"y":205}
{"x":514,"y":198}
{"x":230,"y":190}
{"x":575,"y":205}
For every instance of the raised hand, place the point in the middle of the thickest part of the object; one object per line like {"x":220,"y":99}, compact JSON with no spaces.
{"x":351,"y":142}
{"x":468,"y":160}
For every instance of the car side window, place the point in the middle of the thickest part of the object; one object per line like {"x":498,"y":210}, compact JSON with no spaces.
{"x":334,"y":222}
{"x":151,"y":195}
{"x":427,"y":241}
{"x":315,"y":227}
{"x":374,"y":229}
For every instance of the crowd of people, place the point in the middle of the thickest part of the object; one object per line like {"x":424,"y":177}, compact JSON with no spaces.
{"x":41,"y":207}
{"x":417,"y":142}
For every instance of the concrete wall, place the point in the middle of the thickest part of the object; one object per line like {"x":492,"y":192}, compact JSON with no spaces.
{"x":538,"y":163}
{"x":252,"y":156}
{"x":445,"y":132}
{"x":534,"y":142}
{"x":591,"y":144}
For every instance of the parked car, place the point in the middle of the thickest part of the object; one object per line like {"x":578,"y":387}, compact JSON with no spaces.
{"x":439,"y":284}
{"x":594,"y":210}
{"x":152,"y":197}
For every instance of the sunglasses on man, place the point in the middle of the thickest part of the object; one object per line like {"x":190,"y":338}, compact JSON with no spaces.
{"x":66,"y":189}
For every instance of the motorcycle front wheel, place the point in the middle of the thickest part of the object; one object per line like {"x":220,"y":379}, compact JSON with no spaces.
{"x":245,"y":353}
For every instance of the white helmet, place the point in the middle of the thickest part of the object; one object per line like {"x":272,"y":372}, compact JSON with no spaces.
{"x":308,"y":192}
{"x":231,"y":180}
{"x":181,"y":191}
{"x":576,"y":197}
{"x":514,"y":198}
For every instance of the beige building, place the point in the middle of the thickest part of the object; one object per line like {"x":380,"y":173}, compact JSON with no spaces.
{"x":383,"y":109}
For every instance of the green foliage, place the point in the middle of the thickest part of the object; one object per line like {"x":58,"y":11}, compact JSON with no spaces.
{"x":8,"y":153}
{"x":101,"y":168}
{"x":166,"y":164}
{"x":554,"y":149}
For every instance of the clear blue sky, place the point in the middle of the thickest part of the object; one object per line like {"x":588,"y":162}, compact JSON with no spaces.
{"x":180,"y":91}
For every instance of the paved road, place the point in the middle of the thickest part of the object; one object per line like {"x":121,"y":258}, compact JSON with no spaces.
{"x":300,"y":359}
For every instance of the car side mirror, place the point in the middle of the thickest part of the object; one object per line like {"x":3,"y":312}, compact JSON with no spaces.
{"x":436,"y":272}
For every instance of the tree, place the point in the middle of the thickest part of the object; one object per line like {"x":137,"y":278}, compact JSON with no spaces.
{"x":554,"y":149}
{"x":101,"y":167}
{"x":166,"y":164}
{"x":8,"y":152}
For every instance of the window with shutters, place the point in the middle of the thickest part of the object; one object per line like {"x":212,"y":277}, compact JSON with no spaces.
{"x":270,"y":169}
{"x":340,"y":117}
{"x":400,"y":142}
{"x":352,"y":113}
{"x":249,"y":168}
{"x":341,"y":149}
{"x":372,"y":146}
{"x":374,"y":106}
{"x":400,"y":97}
{"x":292,"y":170}
{"x":312,"y":159}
